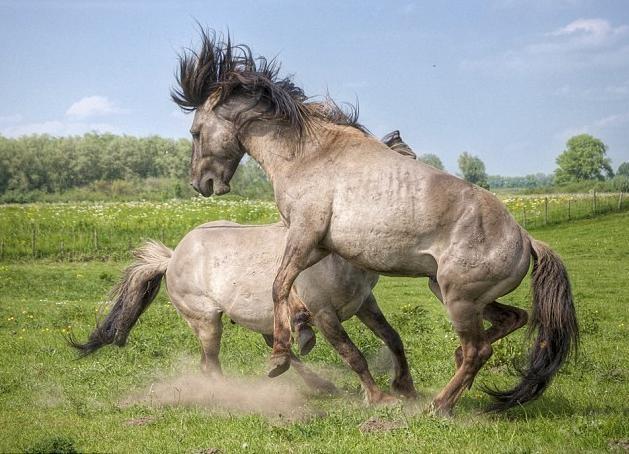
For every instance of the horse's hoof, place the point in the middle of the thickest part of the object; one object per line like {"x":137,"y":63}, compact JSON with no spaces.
{"x":405,"y":389}
{"x":279,"y":364}
{"x":438,"y":410}
{"x":307,"y":340}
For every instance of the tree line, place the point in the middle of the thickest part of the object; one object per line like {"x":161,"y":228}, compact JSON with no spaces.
{"x":122,"y":165}
{"x":35,"y":167}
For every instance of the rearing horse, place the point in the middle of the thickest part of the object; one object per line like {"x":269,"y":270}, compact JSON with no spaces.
{"x":338,"y":189}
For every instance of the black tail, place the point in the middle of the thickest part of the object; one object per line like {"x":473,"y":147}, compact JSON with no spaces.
{"x":555,"y":319}
{"x":137,"y":289}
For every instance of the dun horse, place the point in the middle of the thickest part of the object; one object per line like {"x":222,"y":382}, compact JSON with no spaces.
{"x":340,"y":190}
{"x":226,"y":268}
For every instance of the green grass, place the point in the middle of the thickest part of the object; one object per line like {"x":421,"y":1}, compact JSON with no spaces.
{"x":47,"y":398}
{"x":108,"y":230}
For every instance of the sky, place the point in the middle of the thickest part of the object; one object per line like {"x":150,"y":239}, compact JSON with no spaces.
{"x":507,"y":80}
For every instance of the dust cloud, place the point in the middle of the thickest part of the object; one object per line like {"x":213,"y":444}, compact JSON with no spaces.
{"x":272,"y":398}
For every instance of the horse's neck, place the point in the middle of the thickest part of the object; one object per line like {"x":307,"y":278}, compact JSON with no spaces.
{"x":273,"y":147}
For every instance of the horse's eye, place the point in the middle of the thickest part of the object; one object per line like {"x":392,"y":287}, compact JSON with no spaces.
{"x":195,"y":135}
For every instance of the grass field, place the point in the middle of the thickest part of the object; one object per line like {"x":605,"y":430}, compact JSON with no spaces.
{"x":88,"y":230}
{"x":48,"y":398}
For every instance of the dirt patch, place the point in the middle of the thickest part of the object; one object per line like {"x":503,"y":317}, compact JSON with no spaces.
{"x":142,"y":421}
{"x":375,"y":424}
{"x":276,"y":398}
{"x":619,"y":445}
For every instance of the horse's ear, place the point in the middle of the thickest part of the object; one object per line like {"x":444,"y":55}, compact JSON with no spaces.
{"x":394,"y":141}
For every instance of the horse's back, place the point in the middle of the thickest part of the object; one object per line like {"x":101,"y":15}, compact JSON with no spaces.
{"x":228,"y":267}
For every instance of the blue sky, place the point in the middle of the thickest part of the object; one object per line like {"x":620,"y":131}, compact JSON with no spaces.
{"x":507,"y":80}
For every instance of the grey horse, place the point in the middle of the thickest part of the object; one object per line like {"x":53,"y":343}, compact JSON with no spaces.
{"x":338,"y":189}
{"x":223,"y":268}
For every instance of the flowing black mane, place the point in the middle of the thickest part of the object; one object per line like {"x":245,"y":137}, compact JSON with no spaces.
{"x":221,"y":69}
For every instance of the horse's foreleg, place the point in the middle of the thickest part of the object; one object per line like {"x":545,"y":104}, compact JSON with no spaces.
{"x":301,"y":323}
{"x":336,"y":335}
{"x":467,"y":322}
{"x":310,"y":378}
{"x":297,"y":257}
{"x":371,"y":315}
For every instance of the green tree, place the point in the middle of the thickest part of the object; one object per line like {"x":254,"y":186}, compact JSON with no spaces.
{"x":623,"y":169}
{"x":583,"y":159}
{"x":431,"y":160}
{"x":473,"y":169}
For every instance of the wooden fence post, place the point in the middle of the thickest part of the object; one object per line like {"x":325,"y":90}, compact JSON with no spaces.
{"x":594,"y":202}
{"x":620,"y":201}
{"x":33,"y":239}
{"x":569,"y":200}
{"x":524,"y":217}
{"x":545,"y":210}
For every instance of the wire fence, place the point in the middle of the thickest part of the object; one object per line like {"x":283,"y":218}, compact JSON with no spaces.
{"x":77,"y":232}
{"x":534,"y":211}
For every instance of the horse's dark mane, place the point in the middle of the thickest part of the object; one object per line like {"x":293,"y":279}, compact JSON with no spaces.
{"x":220,"y":68}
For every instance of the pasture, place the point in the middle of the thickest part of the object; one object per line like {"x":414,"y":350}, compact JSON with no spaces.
{"x":137,"y":398}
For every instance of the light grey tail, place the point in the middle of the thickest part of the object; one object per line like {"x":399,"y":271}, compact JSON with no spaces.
{"x":554,"y":318}
{"x":135,"y":291}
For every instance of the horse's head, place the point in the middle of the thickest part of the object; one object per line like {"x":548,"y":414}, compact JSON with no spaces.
{"x":216,"y":151}
{"x":228,"y":88}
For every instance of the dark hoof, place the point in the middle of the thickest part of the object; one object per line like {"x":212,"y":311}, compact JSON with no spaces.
{"x":404,"y":389}
{"x":307,"y":340}
{"x":279,"y":364}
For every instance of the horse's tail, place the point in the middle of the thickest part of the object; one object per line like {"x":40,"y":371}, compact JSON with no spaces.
{"x":554,"y":318}
{"x":135,"y":291}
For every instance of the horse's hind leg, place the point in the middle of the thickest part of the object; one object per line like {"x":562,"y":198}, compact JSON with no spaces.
{"x":467,"y":322}
{"x":504,"y":320}
{"x":371,"y":315}
{"x":209,"y":330}
{"x":311,"y":379}
{"x":330,"y":326}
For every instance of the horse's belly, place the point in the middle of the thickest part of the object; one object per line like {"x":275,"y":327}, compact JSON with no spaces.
{"x":389,"y":253}
{"x":250,"y":308}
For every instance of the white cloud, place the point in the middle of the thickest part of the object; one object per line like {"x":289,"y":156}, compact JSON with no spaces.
{"x":590,"y":26}
{"x":57,"y":128}
{"x":583,"y":43}
{"x":596,"y":127}
{"x":92,"y":106}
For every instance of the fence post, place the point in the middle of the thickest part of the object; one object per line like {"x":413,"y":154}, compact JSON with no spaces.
{"x":620,"y":201}
{"x":545,"y":210}
{"x":594,"y":202}
{"x":524,"y":217}
{"x":33,"y":234}
{"x":569,"y":200}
